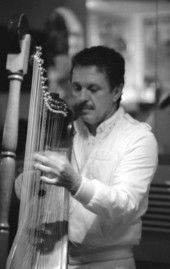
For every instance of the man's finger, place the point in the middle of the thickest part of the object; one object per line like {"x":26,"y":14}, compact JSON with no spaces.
{"x":53,"y":181}
{"x":42,"y":167}
{"x":40,"y":158}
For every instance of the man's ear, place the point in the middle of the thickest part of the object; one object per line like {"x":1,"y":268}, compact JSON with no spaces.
{"x":117,"y":92}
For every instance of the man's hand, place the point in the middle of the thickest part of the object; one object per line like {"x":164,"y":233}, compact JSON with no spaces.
{"x":58,"y":170}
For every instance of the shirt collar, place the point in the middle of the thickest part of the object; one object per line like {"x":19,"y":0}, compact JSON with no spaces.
{"x":108,"y":124}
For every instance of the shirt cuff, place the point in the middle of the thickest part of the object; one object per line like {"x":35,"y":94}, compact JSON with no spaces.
{"x":85,"y":192}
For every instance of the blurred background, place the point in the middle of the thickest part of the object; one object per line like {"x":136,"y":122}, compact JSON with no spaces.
{"x":140,"y":30}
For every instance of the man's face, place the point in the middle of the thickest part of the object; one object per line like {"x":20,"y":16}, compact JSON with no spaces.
{"x":93,"y":95}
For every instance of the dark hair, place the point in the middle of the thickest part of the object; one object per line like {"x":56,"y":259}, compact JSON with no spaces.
{"x":106,"y":60}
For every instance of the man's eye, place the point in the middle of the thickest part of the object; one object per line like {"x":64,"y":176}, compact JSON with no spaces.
{"x":93,"y":89}
{"x":76,"y":88}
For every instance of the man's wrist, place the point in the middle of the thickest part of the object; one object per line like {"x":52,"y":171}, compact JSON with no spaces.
{"x":77,"y":182}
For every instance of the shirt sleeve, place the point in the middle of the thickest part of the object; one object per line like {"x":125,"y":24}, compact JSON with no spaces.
{"x":128,"y":195}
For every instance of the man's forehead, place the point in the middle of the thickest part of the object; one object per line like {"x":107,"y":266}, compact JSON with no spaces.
{"x":92,"y":72}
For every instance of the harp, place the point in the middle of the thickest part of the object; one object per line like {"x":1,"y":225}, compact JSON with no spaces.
{"x":41,"y":240}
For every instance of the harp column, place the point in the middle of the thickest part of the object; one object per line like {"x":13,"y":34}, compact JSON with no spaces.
{"x":17,"y":63}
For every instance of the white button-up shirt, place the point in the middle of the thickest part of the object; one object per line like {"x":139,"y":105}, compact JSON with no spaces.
{"x":117,"y":167}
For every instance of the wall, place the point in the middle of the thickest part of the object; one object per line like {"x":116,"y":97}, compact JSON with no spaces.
{"x":37,"y":13}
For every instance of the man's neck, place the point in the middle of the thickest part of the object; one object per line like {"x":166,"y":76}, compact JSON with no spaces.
{"x":92,"y":128}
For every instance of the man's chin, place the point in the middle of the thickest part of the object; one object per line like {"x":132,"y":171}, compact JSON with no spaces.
{"x":87,"y":119}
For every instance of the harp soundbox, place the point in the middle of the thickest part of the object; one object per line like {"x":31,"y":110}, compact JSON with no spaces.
{"x":42,"y":237}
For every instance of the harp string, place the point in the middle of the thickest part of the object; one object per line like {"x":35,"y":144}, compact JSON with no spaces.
{"x":52,"y":128}
{"x":34,"y":139}
{"x":41,"y":238}
{"x":34,"y":143}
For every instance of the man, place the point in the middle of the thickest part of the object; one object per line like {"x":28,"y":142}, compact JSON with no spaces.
{"x":113,"y":162}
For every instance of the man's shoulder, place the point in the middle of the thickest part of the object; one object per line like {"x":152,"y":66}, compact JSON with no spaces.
{"x":130,"y":123}
{"x":131,"y":129}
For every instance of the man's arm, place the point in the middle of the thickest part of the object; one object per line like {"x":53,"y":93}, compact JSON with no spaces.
{"x":130,"y":183}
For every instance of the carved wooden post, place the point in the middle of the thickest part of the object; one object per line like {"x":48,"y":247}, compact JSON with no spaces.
{"x":17,"y":62}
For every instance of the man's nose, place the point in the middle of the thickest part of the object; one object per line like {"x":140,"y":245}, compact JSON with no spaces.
{"x":83,"y":95}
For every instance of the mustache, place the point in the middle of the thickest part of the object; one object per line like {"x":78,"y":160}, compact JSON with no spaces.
{"x":78,"y":108}
{"x":83,"y":105}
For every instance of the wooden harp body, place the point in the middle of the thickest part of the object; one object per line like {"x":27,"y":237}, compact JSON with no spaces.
{"x":41,"y":239}
{"x":16,"y":65}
